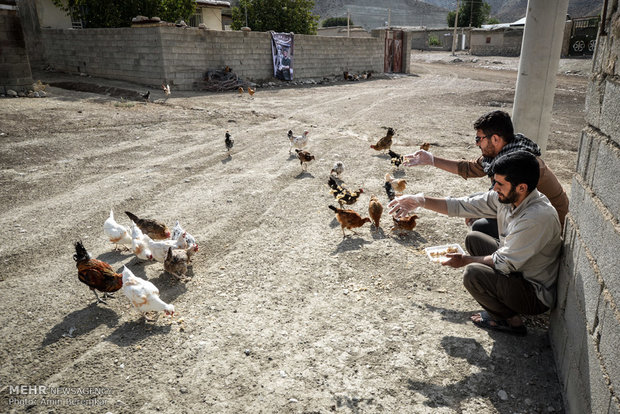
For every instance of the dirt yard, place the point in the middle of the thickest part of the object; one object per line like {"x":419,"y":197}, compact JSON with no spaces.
{"x":281,"y":314}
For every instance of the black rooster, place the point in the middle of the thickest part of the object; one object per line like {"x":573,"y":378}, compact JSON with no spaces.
{"x":229,"y":141}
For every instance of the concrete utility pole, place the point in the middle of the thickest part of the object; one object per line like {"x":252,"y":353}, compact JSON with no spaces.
{"x":456,"y":22}
{"x":348,"y":23}
{"x":538,"y":66}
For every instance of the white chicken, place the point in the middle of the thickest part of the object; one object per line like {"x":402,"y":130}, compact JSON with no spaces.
{"x":338,"y":168}
{"x":297,"y":141}
{"x":192,"y":245}
{"x":139,"y":243}
{"x":144,"y":295}
{"x":159,"y":248}
{"x":117,"y":233}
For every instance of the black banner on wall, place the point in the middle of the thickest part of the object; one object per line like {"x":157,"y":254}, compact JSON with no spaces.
{"x":282,"y":55}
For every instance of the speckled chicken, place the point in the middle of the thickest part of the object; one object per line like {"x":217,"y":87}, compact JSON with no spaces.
{"x":395,"y":158}
{"x":341,"y":194}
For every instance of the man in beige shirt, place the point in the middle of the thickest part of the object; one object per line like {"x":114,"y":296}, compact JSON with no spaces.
{"x":495,"y":137}
{"x":515,"y":274}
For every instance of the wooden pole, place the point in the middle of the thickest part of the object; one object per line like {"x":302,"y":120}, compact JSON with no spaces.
{"x":456,"y":22}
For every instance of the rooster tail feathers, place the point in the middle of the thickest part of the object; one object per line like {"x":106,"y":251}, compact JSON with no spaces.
{"x":132,"y":216}
{"x":333,"y":208}
{"x":80,"y":252}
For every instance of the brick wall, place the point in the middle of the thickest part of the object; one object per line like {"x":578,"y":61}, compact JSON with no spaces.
{"x":14,"y":65}
{"x":585,"y":325}
{"x":148,"y":55}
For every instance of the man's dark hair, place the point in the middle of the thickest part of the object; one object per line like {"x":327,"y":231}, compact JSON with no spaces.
{"x":519,"y":167}
{"x":496,"y":122}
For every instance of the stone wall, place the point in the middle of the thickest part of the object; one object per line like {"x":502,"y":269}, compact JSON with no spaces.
{"x":585,"y":325}
{"x":148,"y":55}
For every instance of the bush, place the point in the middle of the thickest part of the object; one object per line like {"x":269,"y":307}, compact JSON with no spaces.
{"x":433,"y":40}
{"x":336,"y":21}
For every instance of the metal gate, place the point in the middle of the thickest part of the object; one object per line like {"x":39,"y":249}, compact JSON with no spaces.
{"x":583,"y":36}
{"x":393,"y":60}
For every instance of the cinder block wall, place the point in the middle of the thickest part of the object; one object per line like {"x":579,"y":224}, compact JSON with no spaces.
{"x":149,"y":55}
{"x":14,"y":65}
{"x":585,"y":326}
{"x":506,"y":42}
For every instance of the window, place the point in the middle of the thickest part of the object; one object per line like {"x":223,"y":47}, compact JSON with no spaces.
{"x":196,"y":19}
{"x":488,"y":39}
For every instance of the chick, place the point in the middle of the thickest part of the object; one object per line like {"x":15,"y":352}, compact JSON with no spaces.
{"x":304,"y":158}
{"x":338,"y":168}
{"x":228,"y":141}
{"x":251,"y":91}
{"x":240,"y":90}
{"x":425,"y":146}
{"x":375,"y":209}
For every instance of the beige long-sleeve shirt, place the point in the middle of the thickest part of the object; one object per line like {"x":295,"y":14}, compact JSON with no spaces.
{"x":530,"y":237}
{"x":548,"y":183}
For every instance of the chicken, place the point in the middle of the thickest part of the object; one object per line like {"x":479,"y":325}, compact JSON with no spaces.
{"x":153,"y":228}
{"x":240,"y":90}
{"x":176,"y":262}
{"x":227,"y":69}
{"x":407,"y":223}
{"x":396,"y":159}
{"x":398,"y":185}
{"x":192,"y":245}
{"x":338,"y":168}
{"x":384,"y":143}
{"x":349,"y":219}
{"x":342,"y":194}
{"x":228,"y":141}
{"x":166,"y":88}
{"x":144,"y":295}
{"x":117,"y":233}
{"x":425,"y":146}
{"x":391,"y":194}
{"x":139,"y":243}
{"x":345,"y":75}
{"x":96,"y":274}
{"x":251,"y":91}
{"x":375,"y":209}
{"x":146,"y":96}
{"x":304,"y":158}
{"x":299,"y":141}
{"x":160,"y":248}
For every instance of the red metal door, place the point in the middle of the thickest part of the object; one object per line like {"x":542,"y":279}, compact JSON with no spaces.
{"x":393,"y":59}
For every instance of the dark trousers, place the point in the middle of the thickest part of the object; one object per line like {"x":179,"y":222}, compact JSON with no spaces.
{"x":502,"y":296}
{"x":486,"y":226}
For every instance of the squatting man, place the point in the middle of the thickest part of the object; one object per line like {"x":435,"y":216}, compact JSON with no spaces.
{"x":516,"y":274}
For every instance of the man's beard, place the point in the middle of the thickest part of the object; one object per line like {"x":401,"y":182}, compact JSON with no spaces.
{"x":511,"y":197}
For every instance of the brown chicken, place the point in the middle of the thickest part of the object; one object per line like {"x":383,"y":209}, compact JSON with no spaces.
{"x":407,"y":223}
{"x":96,"y":274}
{"x":240,"y":90}
{"x":251,"y":91}
{"x":398,"y":185}
{"x":375,"y":209}
{"x":153,"y":228}
{"x":349,"y":219}
{"x":425,"y":146}
{"x":176,"y":262}
{"x":384,"y":143}
{"x":304,"y":158}
{"x":341,"y":194}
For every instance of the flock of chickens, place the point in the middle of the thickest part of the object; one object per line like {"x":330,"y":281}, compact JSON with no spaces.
{"x":148,"y":239}
{"x":348,"y":218}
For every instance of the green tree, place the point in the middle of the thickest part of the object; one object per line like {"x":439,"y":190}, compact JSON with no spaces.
{"x":474,"y":12}
{"x":336,"y":21}
{"x":118,"y":13}
{"x":277,"y":15}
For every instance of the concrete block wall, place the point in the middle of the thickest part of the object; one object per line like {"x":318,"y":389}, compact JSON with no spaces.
{"x":585,"y":325}
{"x":15,"y":70}
{"x":502,"y":42}
{"x":182,"y":56}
